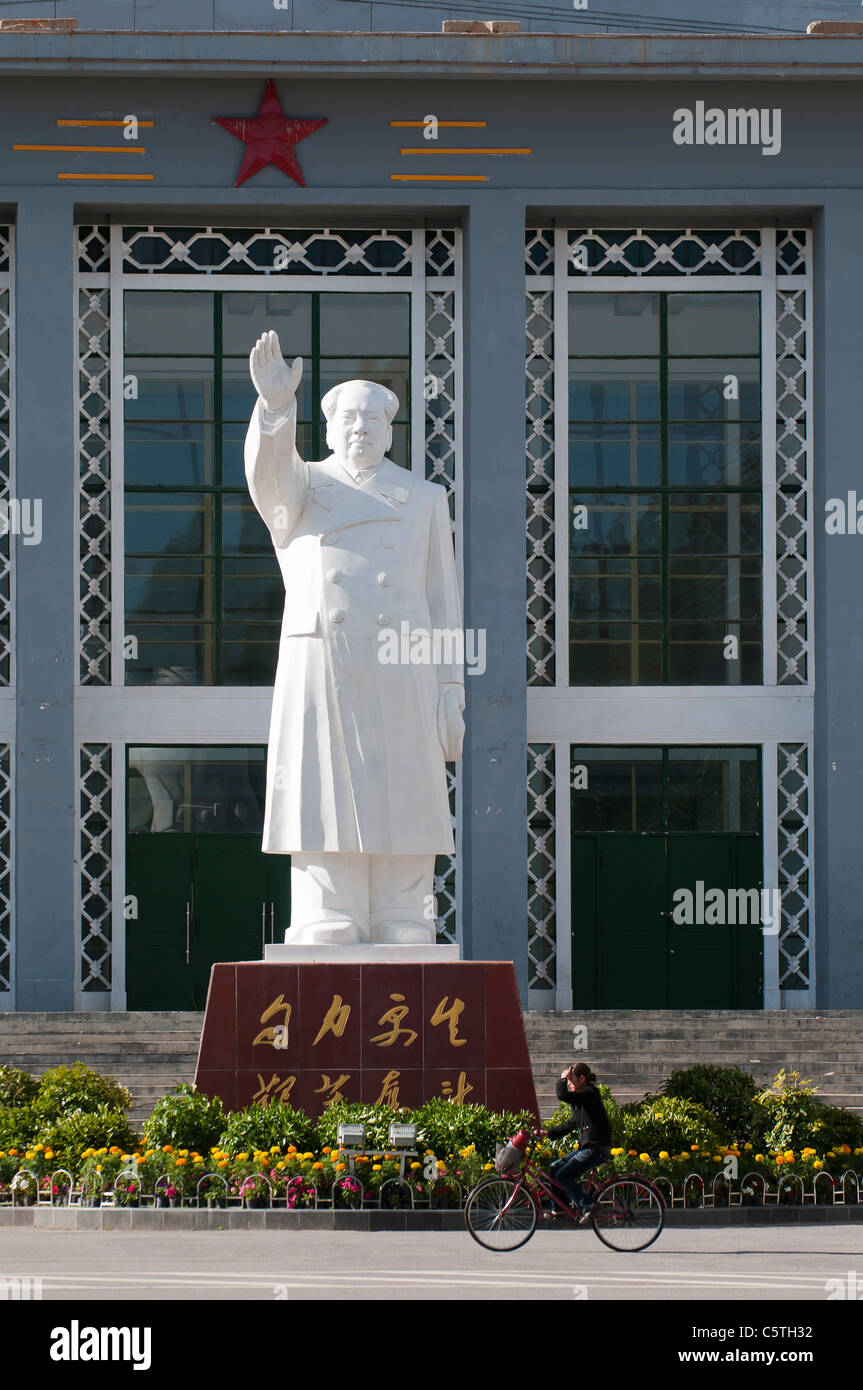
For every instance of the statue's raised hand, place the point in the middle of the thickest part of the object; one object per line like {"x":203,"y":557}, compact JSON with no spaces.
{"x":275,"y":382}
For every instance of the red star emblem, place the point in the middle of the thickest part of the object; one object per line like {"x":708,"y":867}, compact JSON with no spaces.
{"x":269,"y":137}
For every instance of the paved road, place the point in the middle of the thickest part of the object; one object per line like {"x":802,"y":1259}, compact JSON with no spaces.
{"x":784,"y":1263}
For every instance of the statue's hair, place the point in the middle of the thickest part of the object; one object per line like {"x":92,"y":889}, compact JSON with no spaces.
{"x":331,"y":400}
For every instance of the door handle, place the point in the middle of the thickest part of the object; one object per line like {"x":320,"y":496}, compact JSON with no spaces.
{"x":188,"y":932}
{"x":272,"y":923}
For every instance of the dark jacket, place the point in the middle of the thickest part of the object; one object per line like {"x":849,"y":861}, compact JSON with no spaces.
{"x":588,"y":1116}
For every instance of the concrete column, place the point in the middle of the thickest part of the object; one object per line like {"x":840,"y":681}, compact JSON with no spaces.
{"x":45,"y":604}
{"x":838,"y":770}
{"x":494,"y":769}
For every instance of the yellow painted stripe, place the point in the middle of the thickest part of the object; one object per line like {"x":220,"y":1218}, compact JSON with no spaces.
{"x":439,"y":178}
{"x":102,"y":177}
{"x":141,"y":124}
{"x":433,"y":149}
{"x":87,"y":149}
{"x":442,"y":125}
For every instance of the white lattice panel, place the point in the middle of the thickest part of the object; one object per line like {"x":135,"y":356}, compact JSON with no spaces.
{"x":94,"y":486}
{"x":539,"y":367}
{"x":795,"y":867}
{"x":94,"y":829}
{"x":642,"y":252}
{"x":793,"y":486}
{"x":265,"y":251}
{"x":541,"y":869}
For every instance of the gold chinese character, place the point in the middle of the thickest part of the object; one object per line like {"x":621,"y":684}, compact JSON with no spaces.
{"x":274,"y":1089}
{"x":332,"y":1088}
{"x":390,"y":1090}
{"x":336,"y":1020}
{"x":269,"y":1035}
{"x":450,"y":1016}
{"x":394,"y":1016}
{"x":463,"y":1088}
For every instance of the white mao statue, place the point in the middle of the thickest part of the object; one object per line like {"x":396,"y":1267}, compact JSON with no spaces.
{"x":356,"y":778}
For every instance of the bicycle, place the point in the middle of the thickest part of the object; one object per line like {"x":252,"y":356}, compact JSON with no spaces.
{"x":502,"y":1212}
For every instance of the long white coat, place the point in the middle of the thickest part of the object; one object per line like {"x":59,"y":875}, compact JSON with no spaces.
{"x":354,"y":761}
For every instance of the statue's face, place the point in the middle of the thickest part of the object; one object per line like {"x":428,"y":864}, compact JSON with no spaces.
{"x":358,"y":429}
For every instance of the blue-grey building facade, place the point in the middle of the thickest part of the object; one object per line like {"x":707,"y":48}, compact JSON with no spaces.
{"x":615,"y":282}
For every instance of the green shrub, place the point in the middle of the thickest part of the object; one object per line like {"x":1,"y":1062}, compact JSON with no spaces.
{"x":16,"y":1087}
{"x":100,"y":1127}
{"x":19,"y":1125}
{"x":376,"y":1118}
{"x":786,"y":1113}
{"x":670,"y":1123}
{"x":446,"y":1128}
{"x":262,"y":1126}
{"x":64,"y":1089}
{"x":187,"y":1119}
{"x":834,"y":1126}
{"x":728,"y":1093}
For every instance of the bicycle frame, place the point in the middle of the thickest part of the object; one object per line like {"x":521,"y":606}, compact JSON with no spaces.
{"x":534,"y":1178}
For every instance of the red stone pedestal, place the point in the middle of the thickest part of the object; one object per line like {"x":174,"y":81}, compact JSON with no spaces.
{"x":398,"y":1034}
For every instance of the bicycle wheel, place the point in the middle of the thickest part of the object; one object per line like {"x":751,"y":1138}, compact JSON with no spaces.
{"x":500,"y":1214}
{"x":628,"y":1215}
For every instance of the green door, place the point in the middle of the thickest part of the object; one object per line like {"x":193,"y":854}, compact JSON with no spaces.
{"x":654,"y":830}
{"x":199,"y":899}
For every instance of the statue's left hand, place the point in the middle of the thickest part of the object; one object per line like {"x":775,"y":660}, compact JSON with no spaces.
{"x":450,"y":724}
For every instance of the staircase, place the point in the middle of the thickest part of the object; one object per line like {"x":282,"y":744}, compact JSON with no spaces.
{"x":148,"y":1052}
{"x":634,"y":1051}
{"x":631,"y":1051}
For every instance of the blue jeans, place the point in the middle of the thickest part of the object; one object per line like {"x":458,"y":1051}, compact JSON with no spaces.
{"x":567,"y":1170}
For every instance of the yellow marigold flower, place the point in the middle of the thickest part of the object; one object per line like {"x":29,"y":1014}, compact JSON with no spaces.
{"x":197,"y":1159}
{"x":280,"y":1164}
{"x":37,"y":1148}
{"x":747,"y":1147}
{"x":818,"y":1163}
{"x":184,"y":1153}
{"x":759,"y":1158}
{"x":49,"y":1153}
{"x":3,"y":1154}
{"x":615,"y":1152}
{"x":645,"y":1158}
{"x":326,"y":1149}
{"x":416,"y":1165}
{"x":830,"y":1154}
{"x":317,"y":1165}
{"x":717,"y":1158}
{"x":29,"y":1154}
{"x":167,"y":1149}
{"x":441,"y":1166}
{"x":242,"y":1158}
{"x":376,"y":1168}
{"x":487,"y":1167}
{"x":114,"y":1149}
{"x":340,"y":1167}
{"x":292,"y":1149}
{"x":181,"y":1162}
{"x":789,"y":1154}
{"x":362,"y":1158}
{"x":663,"y":1153}
{"x":429,"y":1151}
{"x":308,"y":1155}
{"x":858,"y":1152}
{"x":845,"y":1148}
{"x":222,"y":1163}
{"x":101,"y":1151}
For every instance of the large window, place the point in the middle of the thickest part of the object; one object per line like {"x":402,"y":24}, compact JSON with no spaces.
{"x":204,"y":595}
{"x":664,"y":489}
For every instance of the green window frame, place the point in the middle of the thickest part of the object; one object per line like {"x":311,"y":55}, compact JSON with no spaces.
{"x":665,"y":498}
{"x":196,"y":549}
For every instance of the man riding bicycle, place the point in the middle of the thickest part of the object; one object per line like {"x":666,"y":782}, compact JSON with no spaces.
{"x":577,"y":1086}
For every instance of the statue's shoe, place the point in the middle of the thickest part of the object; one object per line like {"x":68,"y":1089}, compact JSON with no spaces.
{"x":403,"y":933}
{"x":323,"y":934}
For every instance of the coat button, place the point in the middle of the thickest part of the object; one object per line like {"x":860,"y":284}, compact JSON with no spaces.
{"x":334,"y":576}
{"x":383,"y":619}
{"x":337,"y":615}
{"x":384,"y":579}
